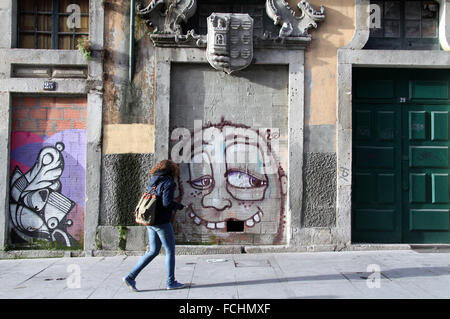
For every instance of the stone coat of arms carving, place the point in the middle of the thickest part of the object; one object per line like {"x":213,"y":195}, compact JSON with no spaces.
{"x":229,"y":41}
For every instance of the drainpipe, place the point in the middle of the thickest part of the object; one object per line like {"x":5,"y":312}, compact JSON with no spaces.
{"x":131,"y":53}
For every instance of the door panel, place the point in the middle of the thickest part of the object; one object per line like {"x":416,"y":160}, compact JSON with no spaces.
{"x":439,"y":126}
{"x":377,"y":179}
{"x":429,"y":220}
{"x":426,"y":213}
{"x":429,"y":90}
{"x":417,"y":188}
{"x":375,"y":220}
{"x":439,"y":187}
{"x":417,"y":129}
{"x":428,"y":156}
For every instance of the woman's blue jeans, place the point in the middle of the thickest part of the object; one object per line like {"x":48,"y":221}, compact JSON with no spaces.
{"x":157,"y":235}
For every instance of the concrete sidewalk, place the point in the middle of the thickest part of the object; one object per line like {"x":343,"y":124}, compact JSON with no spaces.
{"x":351,"y":275}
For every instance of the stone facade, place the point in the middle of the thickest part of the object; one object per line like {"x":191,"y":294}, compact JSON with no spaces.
{"x":23,"y":73}
{"x":298,"y":82}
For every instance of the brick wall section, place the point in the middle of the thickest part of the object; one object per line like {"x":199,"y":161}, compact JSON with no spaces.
{"x":48,"y":115}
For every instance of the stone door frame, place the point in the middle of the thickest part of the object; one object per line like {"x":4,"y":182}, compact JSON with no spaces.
{"x":352,"y":56}
{"x":294,"y":59}
{"x":90,"y":87}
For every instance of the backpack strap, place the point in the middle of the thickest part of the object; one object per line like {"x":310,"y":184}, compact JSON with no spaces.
{"x":153,"y":189}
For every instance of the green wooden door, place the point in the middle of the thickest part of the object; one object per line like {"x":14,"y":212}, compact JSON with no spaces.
{"x":401,"y":140}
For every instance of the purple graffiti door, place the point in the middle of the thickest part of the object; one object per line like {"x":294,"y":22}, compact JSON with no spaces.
{"x":47,"y":169}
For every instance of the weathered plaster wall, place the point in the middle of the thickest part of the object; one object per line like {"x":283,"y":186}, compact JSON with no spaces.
{"x":128,"y":138}
{"x":124,"y":178}
{"x":127,"y":101}
{"x":128,"y":131}
{"x":319,"y":200}
{"x":131,"y":104}
{"x":319,"y":204}
{"x":321,"y":72}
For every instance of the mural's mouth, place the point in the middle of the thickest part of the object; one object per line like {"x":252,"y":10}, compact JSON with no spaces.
{"x":249,"y":222}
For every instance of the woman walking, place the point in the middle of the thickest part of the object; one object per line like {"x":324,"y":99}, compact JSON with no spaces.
{"x":161,"y":233}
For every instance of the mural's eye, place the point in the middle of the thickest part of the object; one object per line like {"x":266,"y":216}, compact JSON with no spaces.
{"x":202,"y":182}
{"x":52,"y":222}
{"x":47,"y":159}
{"x":244,"y":180}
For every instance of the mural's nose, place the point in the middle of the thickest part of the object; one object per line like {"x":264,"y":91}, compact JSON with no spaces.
{"x":216,"y":200}
{"x":216,"y":203}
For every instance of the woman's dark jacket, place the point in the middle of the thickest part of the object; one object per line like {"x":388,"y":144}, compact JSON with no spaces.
{"x":165,"y":189}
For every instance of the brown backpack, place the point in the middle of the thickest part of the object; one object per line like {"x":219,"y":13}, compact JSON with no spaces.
{"x":145,"y":211}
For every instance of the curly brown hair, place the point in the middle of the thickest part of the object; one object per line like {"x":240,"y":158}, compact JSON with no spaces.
{"x":166,"y":165}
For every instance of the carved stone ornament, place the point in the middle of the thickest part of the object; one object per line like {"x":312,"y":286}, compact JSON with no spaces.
{"x":230,"y":37}
{"x":229,"y":41}
{"x":291,"y":24}
{"x":166,"y":15}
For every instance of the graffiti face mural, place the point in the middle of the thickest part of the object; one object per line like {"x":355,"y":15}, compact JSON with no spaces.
{"x":233,"y":179}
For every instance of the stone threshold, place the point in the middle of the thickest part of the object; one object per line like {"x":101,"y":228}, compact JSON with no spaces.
{"x":226,"y":249}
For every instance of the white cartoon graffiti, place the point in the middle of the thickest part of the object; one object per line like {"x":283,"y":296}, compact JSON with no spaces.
{"x":37,"y":207}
